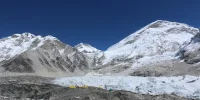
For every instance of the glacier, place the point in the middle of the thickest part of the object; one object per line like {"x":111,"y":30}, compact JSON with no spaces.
{"x":186,"y":86}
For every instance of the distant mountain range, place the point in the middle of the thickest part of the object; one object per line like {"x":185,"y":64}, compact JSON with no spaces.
{"x":162,"y":48}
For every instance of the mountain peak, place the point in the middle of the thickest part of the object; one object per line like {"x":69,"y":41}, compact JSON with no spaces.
{"x":83,"y":44}
{"x":162,"y":21}
{"x":26,"y":34}
{"x":158,"y":26}
{"x":83,"y":47}
{"x":165,"y":23}
{"x":18,"y":43}
{"x":159,"y":38}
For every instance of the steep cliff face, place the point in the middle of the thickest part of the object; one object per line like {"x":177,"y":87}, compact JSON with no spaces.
{"x":190,"y":54}
{"x":191,"y":51}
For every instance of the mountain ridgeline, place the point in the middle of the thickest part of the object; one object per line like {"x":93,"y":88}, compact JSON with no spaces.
{"x":161,"y":48}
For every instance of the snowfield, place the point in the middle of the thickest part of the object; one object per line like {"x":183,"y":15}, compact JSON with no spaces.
{"x":186,"y":86}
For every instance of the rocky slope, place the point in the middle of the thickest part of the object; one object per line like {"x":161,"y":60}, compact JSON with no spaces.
{"x":90,"y":53}
{"x":46,"y":56}
{"x":53,"y":92}
{"x":190,"y":52}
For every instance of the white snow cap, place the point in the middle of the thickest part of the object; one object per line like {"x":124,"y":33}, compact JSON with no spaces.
{"x":82,"y":47}
{"x":25,"y":34}
{"x":160,"y":38}
{"x":159,"y":25}
{"x":19,"y":43}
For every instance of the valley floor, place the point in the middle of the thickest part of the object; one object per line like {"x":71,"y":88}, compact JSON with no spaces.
{"x":54,"y":92}
{"x":99,"y":88}
{"x":186,"y":86}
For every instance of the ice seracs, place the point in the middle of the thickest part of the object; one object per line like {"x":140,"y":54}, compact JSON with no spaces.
{"x":187,"y":86}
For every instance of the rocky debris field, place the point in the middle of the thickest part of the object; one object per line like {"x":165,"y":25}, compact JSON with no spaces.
{"x":54,"y":92}
{"x":25,"y":79}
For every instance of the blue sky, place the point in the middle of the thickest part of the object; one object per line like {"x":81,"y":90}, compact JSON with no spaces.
{"x":100,"y":23}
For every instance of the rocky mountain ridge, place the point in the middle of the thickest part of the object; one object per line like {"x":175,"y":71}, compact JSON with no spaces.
{"x":41,"y":55}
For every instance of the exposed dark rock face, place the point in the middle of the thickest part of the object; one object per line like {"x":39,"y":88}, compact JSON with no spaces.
{"x":146,"y":73}
{"x":19,"y":64}
{"x":190,"y":53}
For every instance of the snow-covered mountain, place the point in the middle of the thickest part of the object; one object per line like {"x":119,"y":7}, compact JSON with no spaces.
{"x":161,"y":48}
{"x":28,"y":53}
{"x":156,"y":42}
{"x":157,"y":38}
{"x":18,"y":43}
{"x":89,"y":52}
{"x":86,"y":48}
